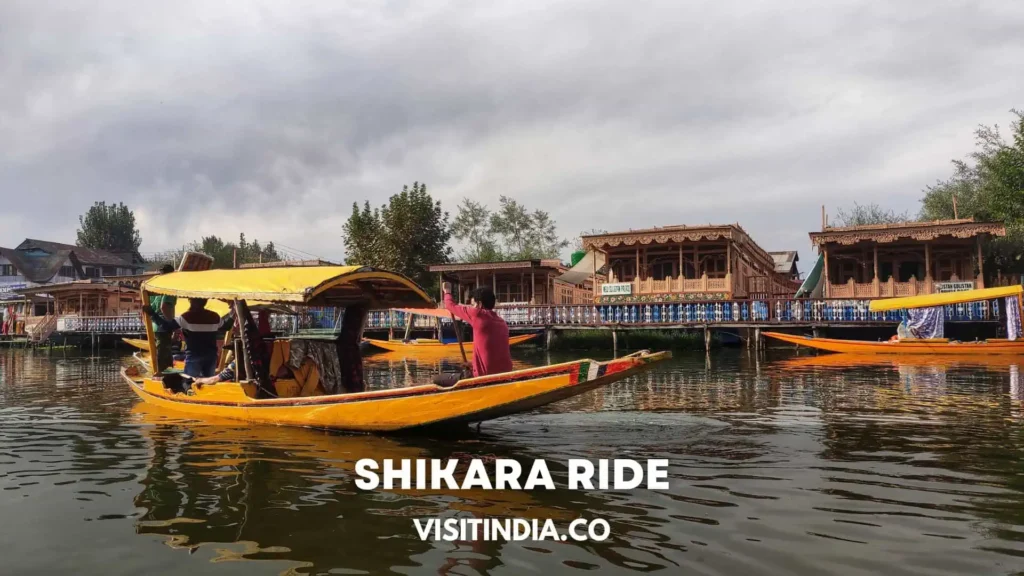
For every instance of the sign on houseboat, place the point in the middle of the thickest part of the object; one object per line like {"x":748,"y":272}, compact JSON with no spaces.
{"x":943,"y":287}
{"x":617,"y":289}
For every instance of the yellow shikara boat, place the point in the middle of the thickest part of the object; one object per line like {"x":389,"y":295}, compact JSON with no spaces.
{"x":319,"y":383}
{"x":938,"y":346}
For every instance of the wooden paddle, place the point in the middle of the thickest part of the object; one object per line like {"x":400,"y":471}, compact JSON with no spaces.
{"x":455,"y":322}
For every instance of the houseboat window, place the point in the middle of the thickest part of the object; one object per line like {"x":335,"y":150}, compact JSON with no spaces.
{"x":884,"y":271}
{"x":910,"y":270}
{"x":663,"y":270}
{"x":7,"y":270}
{"x":714,"y":266}
{"x":624,"y":271}
{"x":67,"y":271}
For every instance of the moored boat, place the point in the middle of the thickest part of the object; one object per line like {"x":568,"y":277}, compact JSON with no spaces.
{"x":432,"y":346}
{"x":931,"y":305}
{"x":319,"y":383}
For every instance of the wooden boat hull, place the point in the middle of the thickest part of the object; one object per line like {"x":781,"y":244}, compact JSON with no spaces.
{"x":992,"y":363}
{"x":435,"y":347}
{"x":935,"y":347}
{"x":401,"y":409}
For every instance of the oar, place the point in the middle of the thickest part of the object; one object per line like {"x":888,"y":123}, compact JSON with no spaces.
{"x":455,"y":322}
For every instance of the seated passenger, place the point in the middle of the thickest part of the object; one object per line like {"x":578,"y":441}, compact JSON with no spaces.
{"x":225,"y":375}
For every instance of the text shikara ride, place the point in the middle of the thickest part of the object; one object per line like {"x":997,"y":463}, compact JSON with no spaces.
{"x":1012,"y":345}
{"x":433,"y":346}
{"x":319,"y":382}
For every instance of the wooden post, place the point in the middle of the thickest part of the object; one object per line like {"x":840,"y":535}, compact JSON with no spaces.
{"x":707,"y":339}
{"x":533,"y":286}
{"x":81,"y":305}
{"x":824,"y":252}
{"x":928,"y":268}
{"x":728,"y":257}
{"x":682,"y":274}
{"x":696,"y":261}
{"x":615,"y":344}
{"x":824,"y":219}
{"x":980,"y":280}
{"x":637,"y":275}
{"x":477,"y":280}
{"x":875,"y":281}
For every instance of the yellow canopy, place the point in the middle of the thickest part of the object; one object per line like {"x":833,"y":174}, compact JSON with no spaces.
{"x":945,"y":298}
{"x":307,"y":285}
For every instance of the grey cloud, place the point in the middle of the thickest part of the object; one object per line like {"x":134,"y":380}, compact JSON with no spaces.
{"x":607,"y":114}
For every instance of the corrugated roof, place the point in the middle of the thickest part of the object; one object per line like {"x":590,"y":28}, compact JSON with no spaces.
{"x":40,"y":268}
{"x":89,"y":256}
{"x":785,"y":260}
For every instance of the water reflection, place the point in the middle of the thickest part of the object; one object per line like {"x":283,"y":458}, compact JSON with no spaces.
{"x":807,"y":465}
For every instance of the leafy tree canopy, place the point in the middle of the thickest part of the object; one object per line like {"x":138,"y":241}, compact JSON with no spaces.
{"x":865,"y":214}
{"x":987,"y":185}
{"x":512,"y":232}
{"x":109,"y":227}
{"x":405,"y":235}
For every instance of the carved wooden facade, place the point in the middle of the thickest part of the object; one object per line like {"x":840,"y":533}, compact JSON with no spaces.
{"x":676,"y":263}
{"x":903,"y":259}
{"x":519,"y":282}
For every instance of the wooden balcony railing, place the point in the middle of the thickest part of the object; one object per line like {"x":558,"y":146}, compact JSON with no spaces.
{"x":732,"y":312}
{"x":887,"y":289}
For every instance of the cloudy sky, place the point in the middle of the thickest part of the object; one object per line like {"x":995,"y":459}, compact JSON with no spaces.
{"x":273,"y":117}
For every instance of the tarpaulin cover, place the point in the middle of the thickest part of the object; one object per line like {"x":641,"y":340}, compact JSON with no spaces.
{"x":585,"y":269}
{"x":924,"y":323}
{"x":1013,"y":318}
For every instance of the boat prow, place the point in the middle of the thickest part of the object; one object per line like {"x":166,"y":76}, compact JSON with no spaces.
{"x":403,"y":409}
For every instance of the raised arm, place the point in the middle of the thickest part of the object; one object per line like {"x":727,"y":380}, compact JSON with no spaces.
{"x":464,"y":313}
{"x":158,"y":319}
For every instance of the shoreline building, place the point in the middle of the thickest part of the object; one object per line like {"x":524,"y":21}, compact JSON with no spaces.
{"x":686,"y":263}
{"x":521,"y":282}
{"x":904,"y":259}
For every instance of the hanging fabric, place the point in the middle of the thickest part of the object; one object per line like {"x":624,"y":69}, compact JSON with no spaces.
{"x":926,"y":323}
{"x":1013,"y":327}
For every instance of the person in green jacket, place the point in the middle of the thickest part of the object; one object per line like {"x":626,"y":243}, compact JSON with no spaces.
{"x":162,"y":334}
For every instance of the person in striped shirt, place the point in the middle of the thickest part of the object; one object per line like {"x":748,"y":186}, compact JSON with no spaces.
{"x":199,"y":327}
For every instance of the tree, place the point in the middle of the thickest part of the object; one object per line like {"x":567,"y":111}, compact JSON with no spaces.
{"x":110,"y":228}
{"x":225,"y":254}
{"x":987,"y":185}
{"x":360,"y":233}
{"x":865,"y":214}
{"x":472,"y":225}
{"x":405,"y":235}
{"x":523,"y":235}
{"x":578,"y":243}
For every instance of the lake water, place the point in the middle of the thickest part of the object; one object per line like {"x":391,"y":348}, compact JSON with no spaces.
{"x":777,"y":466}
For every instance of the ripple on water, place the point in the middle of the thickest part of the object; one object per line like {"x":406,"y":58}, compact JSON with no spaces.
{"x":776,"y":467}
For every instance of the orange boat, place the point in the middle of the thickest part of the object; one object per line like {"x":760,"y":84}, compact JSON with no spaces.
{"x":939,"y":346}
{"x":917,"y":360}
{"x":432,"y":346}
{"x":935,"y":346}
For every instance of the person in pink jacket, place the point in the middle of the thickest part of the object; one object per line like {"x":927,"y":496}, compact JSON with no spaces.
{"x":491,"y":352}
